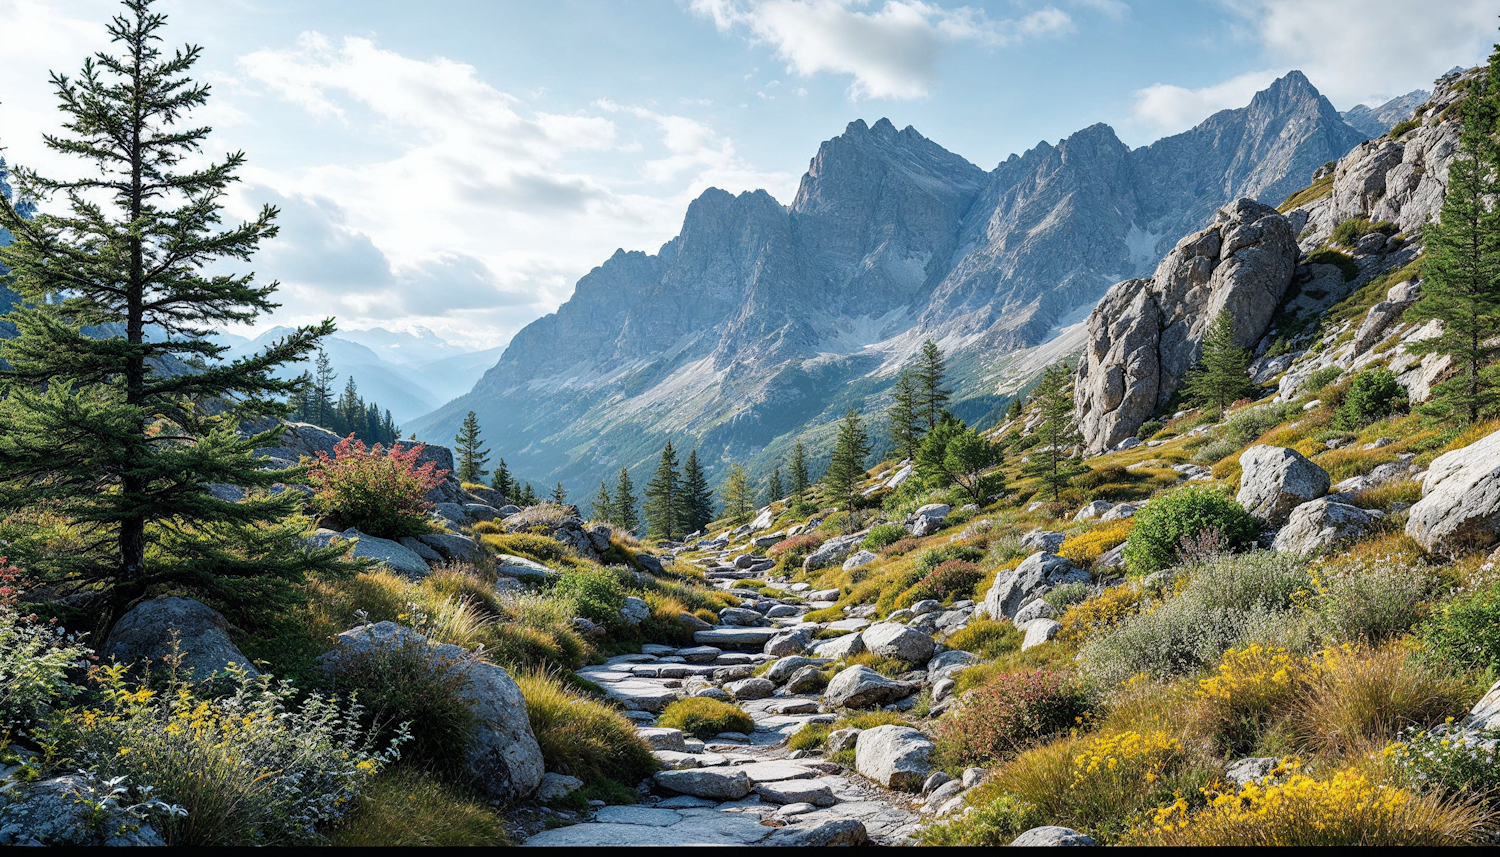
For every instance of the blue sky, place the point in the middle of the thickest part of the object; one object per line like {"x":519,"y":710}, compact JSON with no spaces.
{"x":458,"y":165}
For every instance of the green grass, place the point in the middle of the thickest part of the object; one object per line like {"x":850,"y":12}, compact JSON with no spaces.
{"x":702,"y":718}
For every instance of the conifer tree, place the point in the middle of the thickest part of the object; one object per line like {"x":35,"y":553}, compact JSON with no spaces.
{"x":1461,"y":266}
{"x":800,"y":482}
{"x":322,"y":403}
{"x":500,"y":480}
{"x":1222,"y":376}
{"x":559,"y":494}
{"x":472,"y":456}
{"x":90,"y":428}
{"x":774,"y":488}
{"x":905,"y":426}
{"x":626,"y":516}
{"x":528,"y":495}
{"x":604,"y":505}
{"x":1014,"y":411}
{"x":698,"y":498}
{"x":739,"y":501}
{"x":664,"y":497}
{"x":932,"y":396}
{"x":846,"y":468}
{"x":1052,"y":458}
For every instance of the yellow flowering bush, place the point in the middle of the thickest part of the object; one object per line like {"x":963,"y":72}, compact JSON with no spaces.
{"x":1252,"y":687}
{"x":1349,"y":808}
{"x":1117,"y":775}
{"x":1084,"y":548}
{"x":1113,"y":605}
{"x":250,"y":766}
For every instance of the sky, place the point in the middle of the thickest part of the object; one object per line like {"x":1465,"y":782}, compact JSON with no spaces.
{"x":457,"y":165}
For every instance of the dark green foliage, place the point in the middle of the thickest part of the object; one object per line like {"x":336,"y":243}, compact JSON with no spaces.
{"x":953,"y":453}
{"x":1465,"y":633}
{"x":624,"y":507}
{"x":932,"y":396}
{"x":1149,"y":428}
{"x":846,"y":469}
{"x":800,"y":482}
{"x":472,"y":456}
{"x":1321,"y":378}
{"x":1338,"y":260}
{"x":527,"y":496}
{"x":664,"y":497}
{"x":500,"y":480}
{"x":1057,"y":434}
{"x":604,"y":505}
{"x":1401,"y":128}
{"x":1014,"y":411}
{"x":102,"y":431}
{"x":349,"y":414}
{"x":595,"y":594}
{"x":775,"y":490}
{"x":738,"y":500}
{"x":559,"y":494}
{"x":1222,"y":375}
{"x":905,"y":428}
{"x":1350,"y":231}
{"x":881,"y":535}
{"x":1371,"y":395}
{"x":1187,"y":513}
{"x":698,"y":500}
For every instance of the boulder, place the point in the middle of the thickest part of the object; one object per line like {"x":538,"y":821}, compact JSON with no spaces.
{"x":949,"y":663}
{"x":392,"y":555}
{"x":421,"y":549}
{"x":805,"y":680}
{"x":791,"y":642}
{"x":635,"y":611}
{"x":1460,"y":505}
{"x":1119,"y":511}
{"x":763,"y":521}
{"x":1096,"y":509}
{"x":890,"y":640}
{"x":699,"y":654}
{"x":693,"y":623}
{"x":839,"y":648}
{"x":837,"y":833}
{"x":502,"y":755}
{"x":1277,"y":480}
{"x":1245,"y":771}
{"x":742,"y":616}
{"x":521,"y":567}
{"x":781,"y":670}
{"x":454,"y":547}
{"x":729,"y":637}
{"x":749,"y":689}
{"x":555,"y":787}
{"x":1485,"y":715}
{"x":840,"y":740}
{"x":832,"y":551}
{"x":900,"y":476}
{"x":1039,"y":632}
{"x":1051,"y":835}
{"x":862,"y":687}
{"x":146,"y":633}
{"x":1034,"y":577}
{"x":796,"y":791}
{"x":897,"y":757}
{"x":1032,"y":611}
{"x":1321,"y":524}
{"x":662,"y":738}
{"x":860,"y":558}
{"x":1043,"y":540}
{"x":54,"y":812}
{"x":720,"y":783}
{"x":1145,"y":334}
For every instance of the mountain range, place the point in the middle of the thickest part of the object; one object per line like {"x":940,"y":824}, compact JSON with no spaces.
{"x":762,"y":323}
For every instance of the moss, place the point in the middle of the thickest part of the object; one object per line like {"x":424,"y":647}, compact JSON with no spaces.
{"x":1318,"y":189}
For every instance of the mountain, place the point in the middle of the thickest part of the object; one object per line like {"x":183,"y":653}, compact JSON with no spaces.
{"x":1376,"y":120}
{"x":762,"y":323}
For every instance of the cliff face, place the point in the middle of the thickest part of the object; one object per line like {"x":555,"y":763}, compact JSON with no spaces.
{"x":760,"y":323}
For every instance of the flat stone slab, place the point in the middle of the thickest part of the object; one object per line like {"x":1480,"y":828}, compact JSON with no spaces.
{"x":685,"y":802}
{"x":677,"y":760}
{"x":649,"y":816}
{"x":729,"y":637}
{"x":713,"y":829}
{"x":642,"y":695}
{"x":849,"y":625}
{"x":772,"y":772}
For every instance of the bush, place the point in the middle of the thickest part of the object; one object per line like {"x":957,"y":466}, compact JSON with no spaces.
{"x":35,"y":659}
{"x":1110,"y":607}
{"x":1454,"y":765}
{"x":954,"y":578}
{"x":1254,"y":687}
{"x":1321,"y":378}
{"x":1162,"y":525}
{"x":596,"y":594}
{"x":250,"y":767}
{"x":1007,"y":715}
{"x":792,"y":551}
{"x":930,"y":560}
{"x":1372,"y":394}
{"x":583,"y":737}
{"x":1149,"y":428}
{"x":1339,"y":260}
{"x":377,"y":491}
{"x":1371,"y":600}
{"x":901,"y":546}
{"x":1363,"y":696}
{"x":988,"y":637}
{"x":1084,"y":548}
{"x":1465,"y":633}
{"x":995,"y":823}
{"x":704,"y":718}
{"x":1350,"y":231}
{"x":542,"y":549}
{"x":449,"y":817}
{"x":1063,"y":596}
{"x":882,"y":535}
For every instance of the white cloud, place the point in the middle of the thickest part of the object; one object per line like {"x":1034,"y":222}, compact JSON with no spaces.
{"x":1164,"y":109}
{"x":1116,"y":10}
{"x":891,"y":52}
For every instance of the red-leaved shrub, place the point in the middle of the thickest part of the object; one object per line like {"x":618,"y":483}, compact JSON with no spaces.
{"x":795,"y":549}
{"x":1008,"y":714}
{"x":953,"y":578}
{"x":902,"y":546}
{"x":377,"y":491}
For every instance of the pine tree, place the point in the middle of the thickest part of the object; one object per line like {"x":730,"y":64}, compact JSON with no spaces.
{"x":323,"y":377}
{"x":905,"y":426}
{"x":347,"y":408}
{"x":604,"y":505}
{"x":90,"y":428}
{"x":1461,"y":266}
{"x":500,"y":480}
{"x":1014,"y":412}
{"x":559,"y":494}
{"x":774,"y":489}
{"x":800,"y":483}
{"x":625,"y":510}
{"x":528,"y":495}
{"x":846,"y":469}
{"x":698,"y":498}
{"x":472,"y":456}
{"x":1052,"y":458}
{"x":739,"y":500}
{"x":664,"y":500}
{"x":1222,"y":376}
{"x":932,"y":397}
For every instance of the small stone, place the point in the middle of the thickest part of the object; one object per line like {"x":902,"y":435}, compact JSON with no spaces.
{"x":938,"y":778}
{"x":750,"y":689}
{"x":840,"y":740}
{"x":661,"y":738}
{"x":1051,"y":835}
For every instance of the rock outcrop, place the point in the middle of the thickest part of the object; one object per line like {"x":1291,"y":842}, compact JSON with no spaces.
{"x":1460,"y":505}
{"x":1321,"y":524}
{"x":1030,"y":580}
{"x":897,"y":757}
{"x":1146,"y":333}
{"x":1275,"y":480}
{"x":153,"y":629}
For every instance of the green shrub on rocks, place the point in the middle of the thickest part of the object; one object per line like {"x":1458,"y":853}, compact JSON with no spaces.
{"x":704,"y":718}
{"x":882,"y":535}
{"x":595,"y":593}
{"x":987,"y":637}
{"x":1187,"y":513}
{"x":1371,"y":395}
{"x":1465,"y":632}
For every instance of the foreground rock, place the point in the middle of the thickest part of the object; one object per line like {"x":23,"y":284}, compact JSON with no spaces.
{"x":1277,"y":480}
{"x":892,"y":640}
{"x":862,"y":687}
{"x":55,"y":812}
{"x":1051,"y":836}
{"x":1460,"y":505}
{"x":1146,"y":333}
{"x":1033,"y":578}
{"x":393,"y":555}
{"x":502,"y":754}
{"x":897,"y":757}
{"x":709,"y":783}
{"x":1321,"y":524}
{"x":151,"y":630}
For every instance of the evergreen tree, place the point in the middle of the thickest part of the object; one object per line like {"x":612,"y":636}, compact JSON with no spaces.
{"x":967,"y":459}
{"x":500,"y":480}
{"x":1461,"y":267}
{"x":698,"y":498}
{"x":664,"y":497}
{"x":1222,"y":376}
{"x":932,"y":397}
{"x":90,"y":429}
{"x":847,"y":466}
{"x":472,"y":456}
{"x":348,"y":408}
{"x":931,"y":459}
{"x":774,"y":489}
{"x":739,"y":500}
{"x":905,"y":426}
{"x":559,"y":494}
{"x":626,"y":516}
{"x":800,"y":482}
{"x":1052,"y":458}
{"x":528,"y":496}
{"x":1014,"y":412}
{"x":604,"y":505}
{"x":321,"y":411}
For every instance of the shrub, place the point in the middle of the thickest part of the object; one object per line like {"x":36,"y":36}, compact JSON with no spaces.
{"x":1162,"y":525}
{"x":987,"y":637}
{"x":250,"y":767}
{"x":582,"y":737}
{"x":1350,"y":808}
{"x":35,"y":659}
{"x":1321,"y":378}
{"x":1084,"y":548}
{"x":1339,"y":260}
{"x":377,"y":491}
{"x":542,"y":549}
{"x":1462,"y":766}
{"x":883,"y":535}
{"x":793,"y":551}
{"x":953,"y":578}
{"x":449,"y":817}
{"x":1008,"y":714}
{"x":995,"y":823}
{"x":1110,"y":607}
{"x":704,"y":718}
{"x":1465,"y":632}
{"x":901,"y":546}
{"x":1149,"y":428}
{"x":1372,"y":394}
{"x":1371,"y":600}
{"x":1253,"y":687}
{"x":930,"y":560}
{"x":1350,"y":231}
{"x":1403,"y":126}
{"x":595,"y":594}
{"x":1363,"y":696}
{"x":1063,"y":596}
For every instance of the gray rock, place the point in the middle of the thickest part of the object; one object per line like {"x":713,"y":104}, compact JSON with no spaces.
{"x":747,"y":689}
{"x":937,"y":778}
{"x":692,"y":623}
{"x":949,"y":663}
{"x":635,"y":611}
{"x":1031,"y":579}
{"x":735,"y":638}
{"x":1485,"y":715}
{"x":521,"y":567}
{"x":742,"y":617}
{"x":839,"y":648}
{"x":662,"y":738}
{"x":832,"y":551}
{"x":481,"y":512}
{"x":796,"y":791}
{"x":1051,"y":835}
{"x":1277,"y":480}
{"x":840,"y":832}
{"x":925,"y":606}
{"x":392,"y":555}
{"x":791,"y":642}
{"x":454,"y":547}
{"x":862,"y":687}
{"x":782,"y":669}
{"x":1322,"y":524}
{"x":146,"y":632}
{"x":1460,"y":505}
{"x":699,"y":654}
{"x":942,"y":689}
{"x":973,"y":777}
{"x":859,"y":559}
{"x":713,"y":783}
{"x":556,"y":787}
{"x":451,"y":513}
{"x":53,"y":812}
{"x":949,"y":790}
{"x":1119,"y":511}
{"x":1250,"y":770}
{"x":1095,"y":509}
{"x":897,"y":757}
{"x":805,"y":680}
{"x":1043,"y":540}
{"x":1039,"y":632}
{"x":421,"y":549}
{"x":840,"y":740}
{"x":782,"y":611}
{"x":1033,"y":610}
{"x":1112,"y":558}
{"x":890,"y":640}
